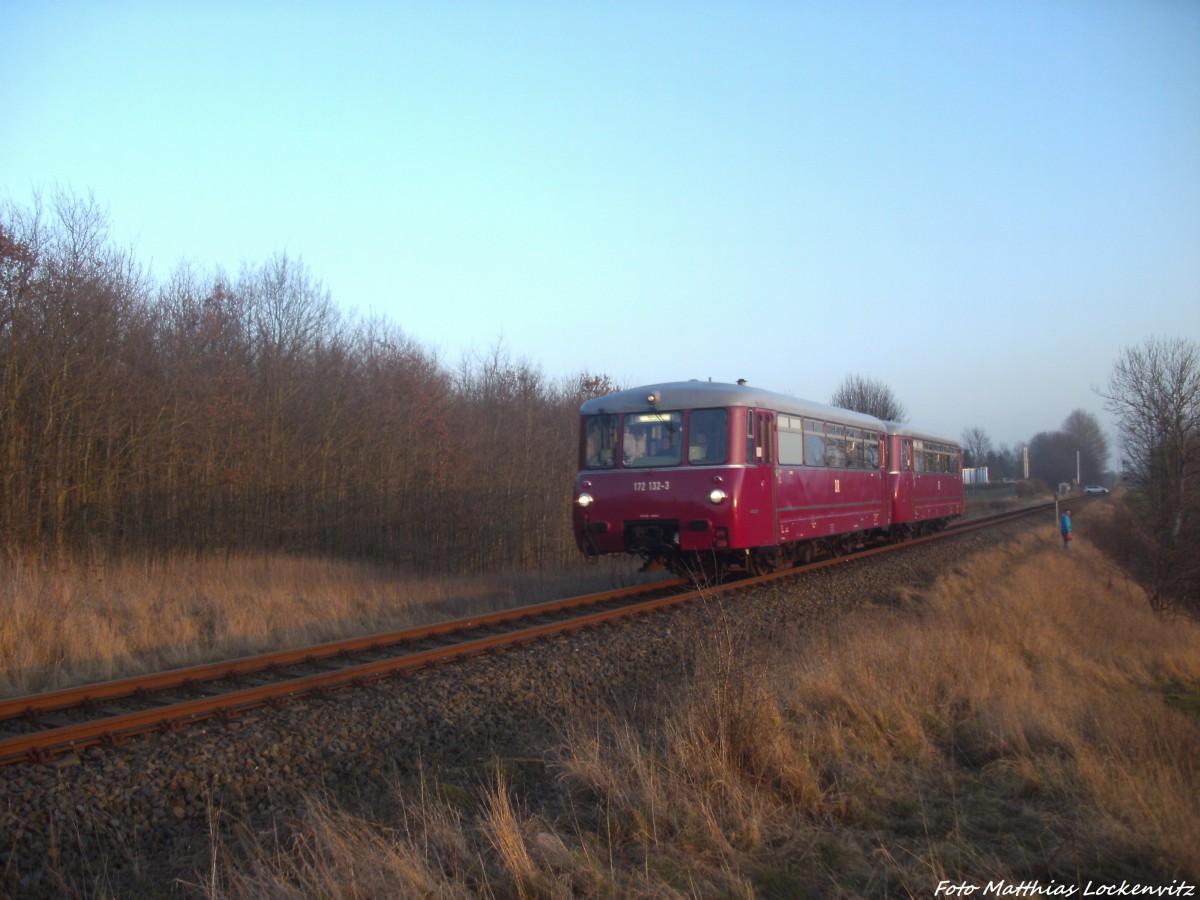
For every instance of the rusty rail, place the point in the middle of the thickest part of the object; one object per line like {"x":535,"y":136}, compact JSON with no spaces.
{"x":463,"y":641}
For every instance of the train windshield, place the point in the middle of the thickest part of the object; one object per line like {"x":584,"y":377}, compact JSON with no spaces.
{"x":600,"y":442}
{"x":652,"y":440}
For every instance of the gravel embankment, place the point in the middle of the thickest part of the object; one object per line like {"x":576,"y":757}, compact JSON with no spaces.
{"x":138,"y":818}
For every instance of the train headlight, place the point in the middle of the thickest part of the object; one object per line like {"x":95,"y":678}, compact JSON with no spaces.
{"x":584,"y":500}
{"x":716,"y":495}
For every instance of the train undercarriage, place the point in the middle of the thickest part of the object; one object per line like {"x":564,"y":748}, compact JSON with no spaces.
{"x":658,"y":546}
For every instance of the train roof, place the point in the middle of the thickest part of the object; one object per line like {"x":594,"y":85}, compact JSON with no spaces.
{"x":701,"y":394}
{"x":905,"y":431}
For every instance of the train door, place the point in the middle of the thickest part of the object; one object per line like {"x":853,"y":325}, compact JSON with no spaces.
{"x":757,"y":503}
{"x":902,"y":465}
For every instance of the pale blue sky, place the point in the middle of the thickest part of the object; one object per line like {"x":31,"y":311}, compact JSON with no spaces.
{"x":977,"y":203}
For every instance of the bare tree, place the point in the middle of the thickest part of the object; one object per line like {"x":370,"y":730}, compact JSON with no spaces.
{"x":207,"y":413}
{"x":76,"y":338}
{"x":1090,"y":442}
{"x":1007,"y":461}
{"x":977,"y":445}
{"x":1052,"y":457}
{"x":866,"y":395}
{"x":1154,"y":391}
{"x":586,"y":385}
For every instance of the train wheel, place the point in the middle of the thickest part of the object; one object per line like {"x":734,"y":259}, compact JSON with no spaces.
{"x":760,"y":563}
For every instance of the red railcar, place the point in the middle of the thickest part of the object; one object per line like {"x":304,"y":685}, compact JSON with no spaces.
{"x":924,"y":480}
{"x":696,"y":475}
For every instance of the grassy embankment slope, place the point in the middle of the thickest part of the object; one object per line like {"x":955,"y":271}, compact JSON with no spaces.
{"x":1026,"y":717}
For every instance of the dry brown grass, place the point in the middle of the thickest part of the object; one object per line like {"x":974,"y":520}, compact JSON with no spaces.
{"x":82,"y":622}
{"x":335,"y":854}
{"x":1010,"y":722}
{"x":1035,"y":672}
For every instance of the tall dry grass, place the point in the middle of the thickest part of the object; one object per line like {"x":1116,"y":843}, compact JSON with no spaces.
{"x":1009,"y":722}
{"x":96,"y":618}
{"x":83,"y":622}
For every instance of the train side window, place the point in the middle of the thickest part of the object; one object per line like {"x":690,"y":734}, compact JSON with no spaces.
{"x":835,"y":446}
{"x":927,"y":456}
{"x":791,"y":441}
{"x":855,"y":453}
{"x":600,"y":442}
{"x":872,"y":450}
{"x":935,"y":459}
{"x":708,"y":437}
{"x":814,"y":442}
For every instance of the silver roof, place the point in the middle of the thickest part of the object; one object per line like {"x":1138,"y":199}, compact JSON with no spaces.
{"x":698,"y":394}
{"x":701,"y":394}
{"x":905,"y":431}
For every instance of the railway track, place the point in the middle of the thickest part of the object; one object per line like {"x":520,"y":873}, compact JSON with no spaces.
{"x":41,"y":727}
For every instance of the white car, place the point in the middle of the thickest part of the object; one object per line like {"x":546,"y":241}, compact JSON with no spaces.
{"x":1095,"y":489}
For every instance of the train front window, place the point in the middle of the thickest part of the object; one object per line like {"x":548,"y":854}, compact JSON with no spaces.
{"x":652,"y":440}
{"x":599,"y":442}
{"x":708,"y":437}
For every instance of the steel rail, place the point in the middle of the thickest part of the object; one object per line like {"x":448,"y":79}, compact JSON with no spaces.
{"x":47,"y":743}
{"x":237,"y":702}
{"x":68,"y":698}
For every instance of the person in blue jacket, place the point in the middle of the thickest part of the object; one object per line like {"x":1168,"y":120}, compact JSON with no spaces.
{"x":1064,"y":526}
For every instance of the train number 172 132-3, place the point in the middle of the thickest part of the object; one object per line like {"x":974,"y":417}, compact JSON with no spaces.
{"x":652,"y":485}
